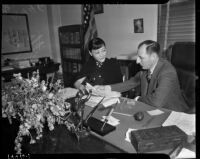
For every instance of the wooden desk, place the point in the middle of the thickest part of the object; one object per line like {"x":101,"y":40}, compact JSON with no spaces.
{"x":8,"y":74}
{"x":60,"y":140}
{"x":117,"y":137}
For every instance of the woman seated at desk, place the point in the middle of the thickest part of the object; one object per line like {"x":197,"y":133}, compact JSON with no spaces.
{"x":98,"y":70}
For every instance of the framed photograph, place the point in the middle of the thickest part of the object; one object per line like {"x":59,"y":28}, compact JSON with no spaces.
{"x":15,"y":34}
{"x":138,"y":25}
{"x":98,"y":8}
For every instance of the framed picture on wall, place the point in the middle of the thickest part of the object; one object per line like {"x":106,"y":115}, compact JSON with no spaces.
{"x":15,"y":34}
{"x":98,"y":8}
{"x":138,"y":25}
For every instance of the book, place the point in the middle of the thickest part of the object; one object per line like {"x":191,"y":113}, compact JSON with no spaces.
{"x":158,"y":138}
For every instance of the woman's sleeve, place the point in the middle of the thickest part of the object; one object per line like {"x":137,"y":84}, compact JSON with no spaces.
{"x":84,"y":71}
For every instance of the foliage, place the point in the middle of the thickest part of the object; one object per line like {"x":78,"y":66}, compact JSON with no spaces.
{"x":34,"y":103}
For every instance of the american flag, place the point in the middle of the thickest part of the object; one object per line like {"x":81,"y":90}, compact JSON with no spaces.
{"x":89,"y":26}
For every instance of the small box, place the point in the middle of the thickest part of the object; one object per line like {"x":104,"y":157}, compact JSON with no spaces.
{"x":159,"y":138}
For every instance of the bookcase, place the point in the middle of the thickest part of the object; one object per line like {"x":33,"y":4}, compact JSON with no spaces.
{"x":71,"y":51}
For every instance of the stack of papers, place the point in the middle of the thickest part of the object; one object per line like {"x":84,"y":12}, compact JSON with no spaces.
{"x":108,"y":101}
{"x":185,"y":122}
{"x":111,"y":120}
{"x":92,"y":102}
{"x":66,"y":93}
{"x":185,"y":153}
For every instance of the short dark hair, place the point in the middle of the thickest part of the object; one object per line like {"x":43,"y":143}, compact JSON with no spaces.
{"x":95,"y":44}
{"x":152,"y":46}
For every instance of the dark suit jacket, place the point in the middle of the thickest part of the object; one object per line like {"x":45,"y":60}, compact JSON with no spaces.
{"x":164,"y":89}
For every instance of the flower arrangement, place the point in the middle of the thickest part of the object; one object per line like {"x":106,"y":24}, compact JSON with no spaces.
{"x":34,"y":103}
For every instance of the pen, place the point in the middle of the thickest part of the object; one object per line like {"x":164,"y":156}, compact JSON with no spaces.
{"x":106,"y":119}
{"x":109,"y":114}
{"x":122,"y":114}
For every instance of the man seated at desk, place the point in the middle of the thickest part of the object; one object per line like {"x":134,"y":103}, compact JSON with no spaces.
{"x":158,"y":80}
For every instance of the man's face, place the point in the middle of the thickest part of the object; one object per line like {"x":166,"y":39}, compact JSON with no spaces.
{"x":99,"y":54}
{"x":144,"y":59}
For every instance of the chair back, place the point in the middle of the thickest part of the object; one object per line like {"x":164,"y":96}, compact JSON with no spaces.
{"x":183,"y":59}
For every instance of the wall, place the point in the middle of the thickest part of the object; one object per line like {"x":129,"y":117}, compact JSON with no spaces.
{"x":115,"y":26}
{"x":38,"y":25}
{"x":70,"y":14}
{"x":60,"y":15}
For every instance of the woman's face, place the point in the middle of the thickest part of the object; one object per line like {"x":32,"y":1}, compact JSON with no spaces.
{"x":99,"y":54}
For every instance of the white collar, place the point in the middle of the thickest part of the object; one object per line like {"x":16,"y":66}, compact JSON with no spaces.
{"x":152,"y":69}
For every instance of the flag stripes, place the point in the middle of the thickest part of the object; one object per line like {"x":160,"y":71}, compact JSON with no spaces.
{"x":89,"y":26}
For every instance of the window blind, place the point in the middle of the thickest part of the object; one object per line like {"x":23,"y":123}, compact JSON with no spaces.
{"x":181,"y":23}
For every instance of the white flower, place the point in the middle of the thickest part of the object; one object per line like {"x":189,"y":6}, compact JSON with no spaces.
{"x":51,"y":127}
{"x":44,"y":88}
{"x":35,"y":85}
{"x":27,"y":125}
{"x":50,"y":95}
{"x":39,"y":116}
{"x":32,"y":141}
{"x":34,"y":106}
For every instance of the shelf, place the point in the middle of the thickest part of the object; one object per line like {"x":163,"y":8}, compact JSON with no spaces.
{"x":71,"y":51}
{"x":72,"y":60}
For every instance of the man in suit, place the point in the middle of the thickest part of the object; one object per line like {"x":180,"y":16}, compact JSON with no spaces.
{"x":158,"y":81}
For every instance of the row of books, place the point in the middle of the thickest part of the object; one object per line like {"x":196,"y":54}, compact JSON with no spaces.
{"x":70,"y":38}
{"x":72,"y":53}
{"x":72,"y":67}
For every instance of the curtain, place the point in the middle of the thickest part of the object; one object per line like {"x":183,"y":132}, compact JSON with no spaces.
{"x":89,"y":26}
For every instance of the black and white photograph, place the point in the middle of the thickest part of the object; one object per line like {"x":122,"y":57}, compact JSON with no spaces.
{"x":138,"y":26}
{"x":113,"y":80}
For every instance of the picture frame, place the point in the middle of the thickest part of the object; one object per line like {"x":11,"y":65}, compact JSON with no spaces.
{"x":98,"y":8}
{"x":15,"y":34}
{"x":138,"y":25}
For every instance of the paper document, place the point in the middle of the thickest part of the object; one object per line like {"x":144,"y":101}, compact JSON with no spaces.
{"x":102,"y":93}
{"x":155,"y":112}
{"x":110,"y":101}
{"x":128,"y":133}
{"x":106,"y":102}
{"x":66,"y":93}
{"x":92,"y":102}
{"x":111,"y":120}
{"x":185,"y":122}
{"x":89,"y":87}
{"x":185,"y":153}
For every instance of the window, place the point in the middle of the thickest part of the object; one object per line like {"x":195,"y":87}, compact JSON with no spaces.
{"x":176,"y":22}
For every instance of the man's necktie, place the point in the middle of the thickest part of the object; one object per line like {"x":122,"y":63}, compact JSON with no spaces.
{"x":149,"y":76}
{"x":148,"y":79}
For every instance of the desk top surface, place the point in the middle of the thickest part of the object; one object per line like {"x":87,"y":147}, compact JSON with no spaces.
{"x":117,"y":137}
{"x":60,"y":141}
